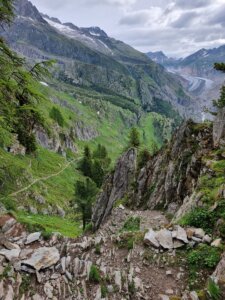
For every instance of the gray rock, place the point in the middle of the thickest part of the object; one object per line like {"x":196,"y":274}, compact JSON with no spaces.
{"x":60,"y":212}
{"x":43,"y":258}
{"x":118,"y":280}
{"x":207,"y":239}
{"x":116,"y":186}
{"x":194,"y":296}
{"x":219,"y":128}
{"x":2,"y":290}
{"x":9,"y":294}
{"x":48,"y":289}
{"x":219,"y":272}
{"x":33,"y":210}
{"x":10,"y":255}
{"x":178,"y":244}
{"x":164,"y":237}
{"x":217,"y":243}
{"x":37,"y":297}
{"x":33,"y":237}
{"x":40,"y":199}
{"x":8,"y":225}
{"x":10,"y":246}
{"x":180,"y":234}
{"x":150,"y":239}
{"x":199,"y":233}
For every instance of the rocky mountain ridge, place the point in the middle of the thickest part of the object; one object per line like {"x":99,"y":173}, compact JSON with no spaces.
{"x":197,"y":74}
{"x":88,"y":57}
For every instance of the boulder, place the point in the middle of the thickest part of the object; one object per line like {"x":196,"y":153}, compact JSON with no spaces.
{"x":217,"y":243}
{"x":10,"y":255}
{"x":219,"y":273}
{"x":150,"y":239}
{"x":42,"y":258}
{"x":8,"y":225}
{"x":180,"y":234}
{"x":33,"y":237}
{"x":199,"y":233}
{"x":164,"y":237}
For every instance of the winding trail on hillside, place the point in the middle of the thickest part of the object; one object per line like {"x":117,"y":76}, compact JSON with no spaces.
{"x":43,"y":179}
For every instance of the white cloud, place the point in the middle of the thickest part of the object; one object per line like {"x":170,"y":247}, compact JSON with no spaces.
{"x":178,"y":27}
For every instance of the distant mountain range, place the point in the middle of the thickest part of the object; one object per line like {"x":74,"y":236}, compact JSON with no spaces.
{"x":89,"y":57}
{"x":197,"y":73}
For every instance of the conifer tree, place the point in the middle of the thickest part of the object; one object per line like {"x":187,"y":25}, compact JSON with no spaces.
{"x":134,"y":138}
{"x":97,"y":173}
{"x":85,"y":193}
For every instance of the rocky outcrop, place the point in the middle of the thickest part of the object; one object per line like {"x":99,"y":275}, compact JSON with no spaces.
{"x":172,"y":175}
{"x":83,"y":132}
{"x":58,"y":142}
{"x":117,"y":185}
{"x":219,"y":128}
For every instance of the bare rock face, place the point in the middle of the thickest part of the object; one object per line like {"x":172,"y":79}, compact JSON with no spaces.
{"x":116,"y":186}
{"x":219,"y":129}
{"x":172,"y":175}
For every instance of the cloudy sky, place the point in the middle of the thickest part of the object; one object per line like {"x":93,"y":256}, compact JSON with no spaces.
{"x":177,"y":27}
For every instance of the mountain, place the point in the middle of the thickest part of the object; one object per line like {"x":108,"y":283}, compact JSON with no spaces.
{"x":201,"y":63}
{"x":88,"y":57}
{"x":160,"y":58}
{"x":197,"y":74}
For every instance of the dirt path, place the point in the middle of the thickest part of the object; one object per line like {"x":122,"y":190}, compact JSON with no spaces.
{"x":42,"y":179}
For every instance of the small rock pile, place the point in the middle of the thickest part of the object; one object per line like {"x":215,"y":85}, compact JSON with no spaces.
{"x":177,"y":237}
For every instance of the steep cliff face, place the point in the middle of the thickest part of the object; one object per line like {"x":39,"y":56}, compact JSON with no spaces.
{"x":173,"y":173}
{"x":117,"y":185}
{"x":168,"y":181}
{"x":219,"y":129}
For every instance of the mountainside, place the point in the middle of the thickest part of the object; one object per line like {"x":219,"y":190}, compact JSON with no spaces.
{"x":135,"y":254}
{"x":197,"y":74}
{"x":88,"y":57}
{"x":160,"y":58}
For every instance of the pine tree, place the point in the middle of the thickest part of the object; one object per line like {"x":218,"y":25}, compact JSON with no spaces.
{"x":97,"y":173}
{"x":134,"y":138}
{"x":86,"y":163}
{"x":85,"y":193}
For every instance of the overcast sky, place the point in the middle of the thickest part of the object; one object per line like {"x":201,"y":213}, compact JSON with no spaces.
{"x":177,"y":27}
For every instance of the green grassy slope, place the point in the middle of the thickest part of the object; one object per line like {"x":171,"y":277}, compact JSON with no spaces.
{"x":52,"y":176}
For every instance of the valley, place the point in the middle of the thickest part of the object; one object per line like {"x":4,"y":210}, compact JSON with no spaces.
{"x":112,"y":164}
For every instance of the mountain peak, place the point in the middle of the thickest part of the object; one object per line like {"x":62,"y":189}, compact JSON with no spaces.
{"x":24,"y":8}
{"x":94,"y":30}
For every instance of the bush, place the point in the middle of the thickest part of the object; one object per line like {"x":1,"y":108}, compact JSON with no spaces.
{"x":143,"y":158}
{"x":104,"y":291}
{"x":132,"y":224}
{"x":204,"y":256}
{"x":200,"y":217}
{"x":56,"y":115}
{"x":94,"y":275}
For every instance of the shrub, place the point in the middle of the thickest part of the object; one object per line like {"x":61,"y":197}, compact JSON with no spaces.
{"x":56,"y":115}
{"x":98,"y":249}
{"x":143,"y":158}
{"x":104,"y":291}
{"x":200,"y":217}
{"x":132,"y":224}
{"x":204,"y":256}
{"x":94,"y":275}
